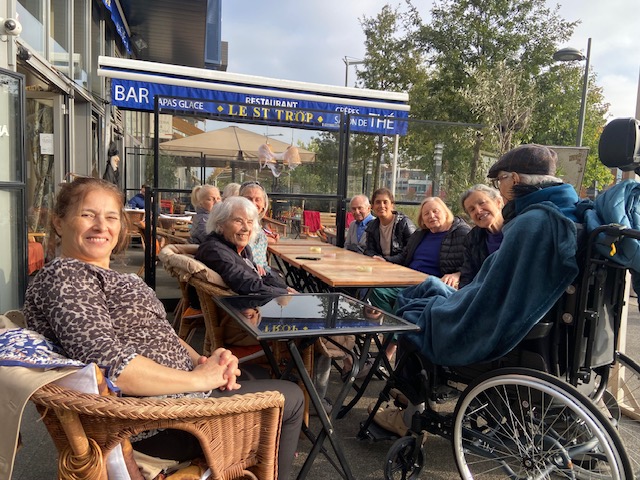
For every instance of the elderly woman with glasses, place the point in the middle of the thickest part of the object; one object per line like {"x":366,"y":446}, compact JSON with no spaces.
{"x":484,"y":205}
{"x":232,"y":226}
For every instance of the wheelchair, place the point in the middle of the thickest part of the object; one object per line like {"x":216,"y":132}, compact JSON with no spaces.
{"x":563,"y":404}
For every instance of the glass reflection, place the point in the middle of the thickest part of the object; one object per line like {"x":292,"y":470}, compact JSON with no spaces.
{"x":305,"y":312}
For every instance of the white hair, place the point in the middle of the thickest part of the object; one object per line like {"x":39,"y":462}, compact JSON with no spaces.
{"x":363,"y":197}
{"x":531,"y":179}
{"x":222,"y":212}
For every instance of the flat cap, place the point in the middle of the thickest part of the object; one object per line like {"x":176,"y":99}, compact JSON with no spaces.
{"x":530,"y":159}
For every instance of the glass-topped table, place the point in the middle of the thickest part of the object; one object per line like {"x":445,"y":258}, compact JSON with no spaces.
{"x":299,"y":320}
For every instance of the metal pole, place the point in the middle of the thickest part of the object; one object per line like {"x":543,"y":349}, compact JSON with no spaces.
{"x":583,"y":102}
{"x":346,"y":71}
{"x":394,"y":164}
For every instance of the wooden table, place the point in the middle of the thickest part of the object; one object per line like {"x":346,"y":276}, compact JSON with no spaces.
{"x":338,"y":268}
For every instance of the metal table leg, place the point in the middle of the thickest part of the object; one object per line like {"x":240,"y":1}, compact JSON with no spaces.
{"x":327,"y":430}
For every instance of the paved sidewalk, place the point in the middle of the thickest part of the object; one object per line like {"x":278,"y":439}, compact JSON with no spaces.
{"x":37,"y":459}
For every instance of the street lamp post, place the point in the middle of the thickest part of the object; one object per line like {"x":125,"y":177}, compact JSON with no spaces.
{"x":569,"y":55}
{"x":437,"y":159}
{"x":349,"y":61}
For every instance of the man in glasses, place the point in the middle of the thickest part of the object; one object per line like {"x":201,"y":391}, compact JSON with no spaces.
{"x":525,"y":176}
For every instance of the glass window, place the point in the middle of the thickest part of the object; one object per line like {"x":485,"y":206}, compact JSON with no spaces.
{"x":31,"y":14}
{"x":80,"y":31}
{"x":96,"y":49}
{"x":59,"y":54}
{"x":11,"y":216}
{"x":40,"y":162}
{"x":10,"y":134}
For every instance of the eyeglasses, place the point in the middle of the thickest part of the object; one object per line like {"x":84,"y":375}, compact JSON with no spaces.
{"x":495,"y":182}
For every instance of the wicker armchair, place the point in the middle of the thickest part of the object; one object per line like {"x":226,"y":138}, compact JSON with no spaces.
{"x":239,"y":435}
{"x":179,"y":262}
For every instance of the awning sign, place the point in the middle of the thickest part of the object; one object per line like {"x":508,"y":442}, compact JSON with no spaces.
{"x":118,"y":23}
{"x":137,"y":95}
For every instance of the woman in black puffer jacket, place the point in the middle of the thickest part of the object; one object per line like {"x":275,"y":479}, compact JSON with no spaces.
{"x":440,"y":233}
{"x":436,"y":248}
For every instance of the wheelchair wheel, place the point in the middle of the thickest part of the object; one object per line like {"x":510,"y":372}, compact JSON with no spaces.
{"x":526,"y":424}
{"x":404,"y":460}
{"x":623,"y":403}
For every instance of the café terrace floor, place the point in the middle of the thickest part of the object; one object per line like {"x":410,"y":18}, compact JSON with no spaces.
{"x":37,"y":458}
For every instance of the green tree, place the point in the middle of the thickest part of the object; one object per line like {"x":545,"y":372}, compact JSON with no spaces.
{"x":469,"y":42}
{"x":393,"y":61}
{"x":555,"y":119}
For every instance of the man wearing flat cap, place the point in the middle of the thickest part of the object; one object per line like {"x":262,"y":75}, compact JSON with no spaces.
{"x":517,"y":284}
{"x":525,"y":175}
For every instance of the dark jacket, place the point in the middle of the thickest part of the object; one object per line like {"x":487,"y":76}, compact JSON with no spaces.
{"x":451,"y":250}
{"x":199,"y":226}
{"x":111,"y":175}
{"x":475,"y":253}
{"x":402,"y":230}
{"x":242,"y":277}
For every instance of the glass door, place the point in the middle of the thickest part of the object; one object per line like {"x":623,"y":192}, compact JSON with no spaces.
{"x":13,"y":238}
{"x":44,"y":137}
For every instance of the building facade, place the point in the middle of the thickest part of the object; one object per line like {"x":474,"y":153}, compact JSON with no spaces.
{"x":61,"y":122}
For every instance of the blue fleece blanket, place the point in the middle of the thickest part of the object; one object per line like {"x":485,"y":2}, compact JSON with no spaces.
{"x":515,"y":287}
{"x":619,"y":204}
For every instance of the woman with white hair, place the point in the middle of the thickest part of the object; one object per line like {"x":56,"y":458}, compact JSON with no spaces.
{"x":230,"y":190}
{"x":254,"y":192}
{"x":232,"y":225}
{"x":203,"y":197}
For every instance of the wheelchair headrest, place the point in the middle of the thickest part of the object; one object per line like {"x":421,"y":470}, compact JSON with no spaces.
{"x":619,"y":145}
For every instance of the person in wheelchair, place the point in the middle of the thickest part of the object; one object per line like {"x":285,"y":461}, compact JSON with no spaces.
{"x":515,"y":286}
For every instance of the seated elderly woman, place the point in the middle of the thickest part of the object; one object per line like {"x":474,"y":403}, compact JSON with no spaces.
{"x":96,"y":314}
{"x":233,"y":225}
{"x":436,"y":248}
{"x":484,"y":206}
{"x":231,"y":190}
{"x":203,"y":197}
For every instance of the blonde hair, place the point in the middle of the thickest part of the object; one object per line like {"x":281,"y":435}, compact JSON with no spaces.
{"x":198,"y":193}
{"x":440,"y":202}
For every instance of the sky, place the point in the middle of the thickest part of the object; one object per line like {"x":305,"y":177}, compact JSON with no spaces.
{"x":308,"y":40}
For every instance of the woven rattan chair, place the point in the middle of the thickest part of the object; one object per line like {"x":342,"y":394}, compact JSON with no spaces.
{"x":178,"y":260}
{"x":239,"y":435}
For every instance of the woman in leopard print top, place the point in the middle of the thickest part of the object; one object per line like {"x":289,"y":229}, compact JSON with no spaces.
{"x":115,"y":320}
